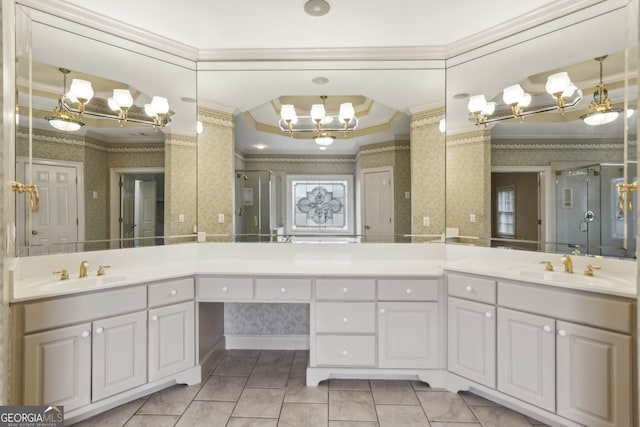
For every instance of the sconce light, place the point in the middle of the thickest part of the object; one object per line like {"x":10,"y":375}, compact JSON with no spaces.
{"x":480,"y":108}
{"x":158,"y":108}
{"x":81,"y":92}
{"x":516,"y":98}
{"x":120,"y":103}
{"x":560,"y":87}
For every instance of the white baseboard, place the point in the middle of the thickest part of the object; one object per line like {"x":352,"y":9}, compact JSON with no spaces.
{"x":267,"y":342}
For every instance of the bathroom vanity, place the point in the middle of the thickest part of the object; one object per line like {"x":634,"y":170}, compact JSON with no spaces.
{"x":553,"y":345}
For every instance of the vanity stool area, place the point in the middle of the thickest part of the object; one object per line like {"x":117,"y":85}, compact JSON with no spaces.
{"x":461,"y":318}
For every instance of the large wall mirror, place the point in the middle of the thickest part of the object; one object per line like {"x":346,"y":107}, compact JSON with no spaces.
{"x":354,"y":187}
{"x":549,"y":180}
{"x":118,"y":175}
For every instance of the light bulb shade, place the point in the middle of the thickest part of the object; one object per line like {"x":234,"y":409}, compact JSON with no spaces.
{"x":160,"y":105}
{"x":81,"y":89}
{"x":324,"y":139}
{"x":569,"y":91}
{"x":199,"y":127}
{"x":317,"y":112}
{"x":122,"y":98}
{"x":476,"y":103}
{"x":600,"y":118}
{"x":525,"y":100}
{"x":442,"y":126}
{"x":557,"y":83}
{"x":149,"y":110}
{"x":288,"y":112}
{"x":346,"y":112}
{"x":489,"y":108}
{"x":112,"y":104}
{"x":65,"y":125}
{"x":630,"y":112}
{"x":512,"y":94}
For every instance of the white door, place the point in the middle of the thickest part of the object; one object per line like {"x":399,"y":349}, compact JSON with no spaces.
{"x":171,"y":339}
{"x":408,"y":335}
{"x":145,"y":212}
{"x":472,"y":341}
{"x":119,"y":354}
{"x":527,"y":357}
{"x":127,"y":209}
{"x":377,"y":211}
{"x":57,"y":367}
{"x":54,"y":227}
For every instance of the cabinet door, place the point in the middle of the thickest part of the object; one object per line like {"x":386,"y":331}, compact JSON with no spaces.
{"x":594,"y":376}
{"x":119,"y":354}
{"x":472,"y":341}
{"x":57,"y":367}
{"x":408,"y":335}
{"x":527,"y":357}
{"x":171,"y":339}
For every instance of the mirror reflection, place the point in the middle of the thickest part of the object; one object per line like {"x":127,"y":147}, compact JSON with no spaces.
{"x":542,"y":175}
{"x":110,"y":147}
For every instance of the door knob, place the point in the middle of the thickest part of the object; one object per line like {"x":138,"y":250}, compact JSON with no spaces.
{"x":367,"y":227}
{"x":34,"y":232}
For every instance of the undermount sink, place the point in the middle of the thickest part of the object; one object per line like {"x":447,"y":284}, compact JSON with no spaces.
{"x":600,"y":279}
{"x":85,"y":282}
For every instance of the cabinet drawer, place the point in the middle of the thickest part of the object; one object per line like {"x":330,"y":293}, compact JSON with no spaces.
{"x":225,"y":288}
{"x":298,"y":289}
{"x":82,"y":308}
{"x":345,"y":350}
{"x":345,"y":317}
{"x":408,"y":290}
{"x":582,"y":307}
{"x":345,"y":289}
{"x":169,"y":292}
{"x":473,"y":288}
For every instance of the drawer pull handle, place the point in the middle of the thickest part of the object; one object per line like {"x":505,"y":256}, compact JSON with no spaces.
{"x":85,"y":334}
{"x":488,"y":315}
{"x":382,"y":310}
{"x":154,"y":319}
{"x":547,"y":328}
{"x":409,"y":291}
{"x":345,"y":319}
{"x":345,"y":290}
{"x":468,"y":289}
{"x":562,"y":333}
{"x":283,"y":290}
{"x":225,"y":289}
{"x":99,"y":330}
{"x":345,"y":352}
{"x":173,"y":292}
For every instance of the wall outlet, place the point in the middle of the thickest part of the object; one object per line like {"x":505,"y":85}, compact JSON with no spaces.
{"x":407,"y":195}
{"x":472,"y":218}
{"x":202,"y":236}
{"x":181,"y":218}
{"x":220,"y":218}
{"x":425,"y":221}
{"x":95,"y":194}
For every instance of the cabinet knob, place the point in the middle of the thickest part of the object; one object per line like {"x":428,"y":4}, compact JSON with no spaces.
{"x":99,"y":330}
{"x":382,"y":310}
{"x":547,"y":328}
{"x":562,"y":333}
{"x":85,"y":334}
{"x":468,"y":289}
{"x":345,"y":290}
{"x":488,"y":315}
{"x":283,"y":290}
{"x":345,"y":319}
{"x":225,"y":289}
{"x":345,"y":352}
{"x":154,"y":318}
{"x":173,"y":292}
{"x":409,"y":291}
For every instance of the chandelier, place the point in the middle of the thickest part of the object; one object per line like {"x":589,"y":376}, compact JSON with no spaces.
{"x":600,"y":110}
{"x":318,"y":121}
{"x":74,"y":105}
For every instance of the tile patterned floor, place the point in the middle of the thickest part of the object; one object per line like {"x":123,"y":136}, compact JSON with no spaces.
{"x":253,"y":388}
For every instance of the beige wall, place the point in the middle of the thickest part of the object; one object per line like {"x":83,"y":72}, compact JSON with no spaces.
{"x":216,"y":164}
{"x":180,"y":192}
{"x":427,"y":173}
{"x":506,"y":152}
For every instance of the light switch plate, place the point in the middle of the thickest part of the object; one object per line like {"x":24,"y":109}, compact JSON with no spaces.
{"x":181,"y":218}
{"x":425,"y":221}
{"x":472,"y":218}
{"x":220,"y":218}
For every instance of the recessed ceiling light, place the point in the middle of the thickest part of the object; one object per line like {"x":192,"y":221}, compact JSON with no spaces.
{"x":260,"y":146}
{"x":317,"y":7}
{"x":461,"y":96}
{"x":321,"y":80}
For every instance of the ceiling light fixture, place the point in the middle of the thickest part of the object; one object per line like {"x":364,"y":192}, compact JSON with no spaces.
{"x":319,"y":121}
{"x":317,"y":7}
{"x":601,"y":110}
{"x":63,"y":119}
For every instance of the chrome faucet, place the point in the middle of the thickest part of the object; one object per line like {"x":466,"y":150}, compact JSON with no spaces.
{"x":568,"y":264}
{"x":84,"y":266}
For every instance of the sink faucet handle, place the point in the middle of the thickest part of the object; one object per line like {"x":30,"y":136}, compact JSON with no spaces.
{"x":548,"y":266}
{"x":64,"y":274}
{"x":101,"y":269}
{"x":588,"y":271}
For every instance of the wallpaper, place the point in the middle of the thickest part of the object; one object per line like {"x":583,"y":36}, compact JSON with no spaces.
{"x":96,"y":178}
{"x":266,"y":319}
{"x":180,"y":187}
{"x":427,"y":173}
{"x":216,"y":164}
{"x":544,"y":153}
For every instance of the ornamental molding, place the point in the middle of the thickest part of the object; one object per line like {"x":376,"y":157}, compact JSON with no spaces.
{"x":215,"y":117}
{"x":305,"y":159}
{"x":557,"y":146}
{"x":73,"y":141}
{"x":182,"y":141}
{"x":427,"y":118}
{"x":475,"y":137}
{"x":387,"y":148}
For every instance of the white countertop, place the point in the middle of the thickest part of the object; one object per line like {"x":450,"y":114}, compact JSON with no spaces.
{"x":31,"y":277}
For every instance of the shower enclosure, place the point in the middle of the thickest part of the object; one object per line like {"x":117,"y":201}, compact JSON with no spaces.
{"x":258,"y":206}
{"x":589,"y":216}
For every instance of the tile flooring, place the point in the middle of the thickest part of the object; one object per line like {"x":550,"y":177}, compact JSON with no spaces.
{"x":253,"y":388}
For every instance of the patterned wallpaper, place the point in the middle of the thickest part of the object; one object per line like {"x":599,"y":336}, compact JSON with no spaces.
{"x":266,"y":319}
{"x":469,"y":188}
{"x":180,"y":181}
{"x":96,"y":178}
{"x":427,"y":173}
{"x":216,"y":164}
{"x":309,"y":165}
{"x":545,"y":152}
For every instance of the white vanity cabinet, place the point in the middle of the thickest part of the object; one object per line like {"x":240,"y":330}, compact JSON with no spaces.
{"x":408,"y":323}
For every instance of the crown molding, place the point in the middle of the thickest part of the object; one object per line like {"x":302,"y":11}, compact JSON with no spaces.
{"x":557,"y":146}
